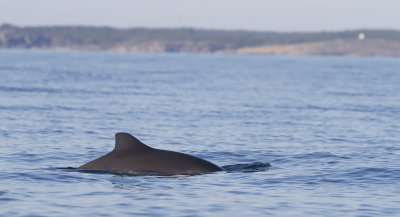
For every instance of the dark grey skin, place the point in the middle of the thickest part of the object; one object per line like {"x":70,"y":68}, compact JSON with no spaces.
{"x":130,"y":154}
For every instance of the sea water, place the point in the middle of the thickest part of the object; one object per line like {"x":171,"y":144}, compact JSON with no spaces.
{"x":296,"y":136}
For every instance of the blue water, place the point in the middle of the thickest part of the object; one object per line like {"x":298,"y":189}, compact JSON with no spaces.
{"x":328,"y":126}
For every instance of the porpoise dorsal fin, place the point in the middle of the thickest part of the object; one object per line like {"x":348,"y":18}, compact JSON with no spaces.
{"x":126,"y":142}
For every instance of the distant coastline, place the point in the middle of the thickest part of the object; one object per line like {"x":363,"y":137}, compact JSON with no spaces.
{"x":346,"y":43}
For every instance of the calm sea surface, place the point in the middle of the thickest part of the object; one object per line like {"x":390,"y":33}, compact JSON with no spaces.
{"x":297,"y":136}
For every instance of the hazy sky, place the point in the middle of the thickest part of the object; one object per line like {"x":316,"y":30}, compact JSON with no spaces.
{"x":277,"y":15}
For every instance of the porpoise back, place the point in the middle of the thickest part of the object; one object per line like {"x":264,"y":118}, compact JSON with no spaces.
{"x":130,"y":154}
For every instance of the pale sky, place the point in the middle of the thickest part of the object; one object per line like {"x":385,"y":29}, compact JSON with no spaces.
{"x":272,"y":15}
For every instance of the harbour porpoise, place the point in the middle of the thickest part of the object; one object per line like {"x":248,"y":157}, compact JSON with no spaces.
{"x":131,"y":155}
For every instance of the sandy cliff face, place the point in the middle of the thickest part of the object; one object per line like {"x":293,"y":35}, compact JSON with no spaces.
{"x":353,"y":47}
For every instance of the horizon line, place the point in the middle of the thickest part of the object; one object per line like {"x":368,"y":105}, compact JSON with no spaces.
{"x":8,"y":24}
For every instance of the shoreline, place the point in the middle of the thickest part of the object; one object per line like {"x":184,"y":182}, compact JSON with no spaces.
{"x":345,"y":43}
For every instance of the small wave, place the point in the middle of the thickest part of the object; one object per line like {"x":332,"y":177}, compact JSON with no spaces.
{"x":244,"y":168}
{"x":24,"y":108}
{"x":317,"y":155}
{"x":247,"y":168}
{"x":29,"y":89}
{"x":355,"y":94}
{"x":362,"y":176}
{"x":2,"y":193}
{"x":371,"y":172}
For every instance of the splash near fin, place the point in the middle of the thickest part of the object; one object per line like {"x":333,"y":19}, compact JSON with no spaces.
{"x":126,"y":142}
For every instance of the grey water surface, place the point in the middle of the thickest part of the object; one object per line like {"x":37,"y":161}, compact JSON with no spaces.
{"x":296,"y":136}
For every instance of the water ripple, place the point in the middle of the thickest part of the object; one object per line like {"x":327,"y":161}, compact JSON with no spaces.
{"x":299,"y":136}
